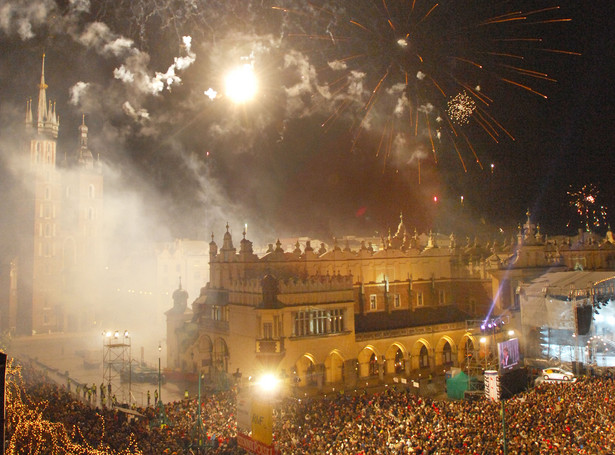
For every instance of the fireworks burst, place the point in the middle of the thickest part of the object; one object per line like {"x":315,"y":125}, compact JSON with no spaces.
{"x":585,"y":201}
{"x":425,"y":71}
{"x":460,"y":108}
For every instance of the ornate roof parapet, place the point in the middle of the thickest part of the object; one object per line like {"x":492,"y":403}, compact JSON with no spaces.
{"x":313,"y":283}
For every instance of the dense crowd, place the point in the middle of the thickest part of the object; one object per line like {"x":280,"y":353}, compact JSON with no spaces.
{"x":551,"y":418}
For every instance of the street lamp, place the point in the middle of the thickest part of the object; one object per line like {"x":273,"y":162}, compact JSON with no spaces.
{"x":162,"y":417}
{"x":198,"y":429}
{"x":159,"y":377}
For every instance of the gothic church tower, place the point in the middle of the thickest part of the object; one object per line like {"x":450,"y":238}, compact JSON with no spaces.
{"x":56,"y":273}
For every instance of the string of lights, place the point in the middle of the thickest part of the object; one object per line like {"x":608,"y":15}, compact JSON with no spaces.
{"x":29,"y":432}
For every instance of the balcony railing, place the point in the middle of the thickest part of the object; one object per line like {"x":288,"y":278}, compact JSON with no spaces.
{"x":270,"y":346}
{"x":215,"y":326}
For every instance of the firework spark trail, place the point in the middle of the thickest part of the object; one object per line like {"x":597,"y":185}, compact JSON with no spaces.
{"x":441,"y":54}
{"x":435,"y":51}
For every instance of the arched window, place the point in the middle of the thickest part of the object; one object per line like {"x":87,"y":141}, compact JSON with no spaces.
{"x":400,"y":364}
{"x":447,"y":354}
{"x":91,"y":192}
{"x":91,"y":213}
{"x":424,"y":357}
{"x":373,"y":365}
{"x":310,"y":375}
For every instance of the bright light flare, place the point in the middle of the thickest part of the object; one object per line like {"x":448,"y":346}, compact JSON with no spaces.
{"x":241,"y":84}
{"x":268,"y":382}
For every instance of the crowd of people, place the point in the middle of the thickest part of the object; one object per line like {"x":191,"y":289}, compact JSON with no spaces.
{"x":551,"y":418}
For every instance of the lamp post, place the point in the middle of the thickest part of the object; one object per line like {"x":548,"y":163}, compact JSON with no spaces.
{"x":505,"y":444}
{"x":198,"y":429}
{"x":159,"y":376}
{"x":162,"y":418}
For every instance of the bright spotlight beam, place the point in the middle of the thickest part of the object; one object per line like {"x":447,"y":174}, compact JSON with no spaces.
{"x":240,"y":84}
{"x":268,"y":383}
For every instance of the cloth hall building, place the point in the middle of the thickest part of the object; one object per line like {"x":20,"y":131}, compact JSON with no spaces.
{"x":344,"y":318}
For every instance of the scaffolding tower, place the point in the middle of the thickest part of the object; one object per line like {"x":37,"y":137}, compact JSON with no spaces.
{"x":116,"y":367}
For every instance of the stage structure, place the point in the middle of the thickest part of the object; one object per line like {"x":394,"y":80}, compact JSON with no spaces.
{"x":117,"y":367}
{"x":564,"y":313}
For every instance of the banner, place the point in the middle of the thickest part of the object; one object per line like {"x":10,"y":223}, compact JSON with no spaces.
{"x":262,"y":421}
{"x":254,"y":447}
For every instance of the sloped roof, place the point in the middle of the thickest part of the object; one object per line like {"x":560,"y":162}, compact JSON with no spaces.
{"x":568,"y":280}
{"x":399,"y":319}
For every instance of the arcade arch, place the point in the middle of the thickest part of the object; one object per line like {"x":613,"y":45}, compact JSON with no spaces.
{"x":446,"y":349}
{"x":334,"y":367}
{"x":305,"y":370}
{"x":220,"y":355}
{"x":467,"y":349}
{"x":421,"y":355}
{"x":395,"y":359}
{"x":368,"y":362}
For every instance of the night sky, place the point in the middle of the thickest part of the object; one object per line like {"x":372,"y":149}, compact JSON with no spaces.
{"x":180,"y":164}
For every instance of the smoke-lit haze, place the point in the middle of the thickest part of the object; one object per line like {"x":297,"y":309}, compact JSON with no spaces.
{"x":306,"y":156}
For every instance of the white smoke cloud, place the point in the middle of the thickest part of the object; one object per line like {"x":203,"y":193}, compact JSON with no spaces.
{"x":356,"y":86}
{"x":306,"y":72}
{"x":98,"y":36}
{"x":337,"y":65}
{"x":80,"y":6}
{"x":417,"y":155}
{"x":123,"y":74}
{"x":135,"y":114}
{"x":119,"y":46}
{"x":77,"y":91}
{"x":401,"y":106}
{"x":426,"y":108}
{"x":23,"y":16}
{"x":135,"y":71}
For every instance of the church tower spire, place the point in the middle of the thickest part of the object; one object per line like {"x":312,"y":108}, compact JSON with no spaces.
{"x":47,"y":122}
{"x":85,"y":157}
{"x":42,"y":98}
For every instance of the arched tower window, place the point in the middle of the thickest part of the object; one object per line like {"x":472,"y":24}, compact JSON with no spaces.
{"x":91,"y":192}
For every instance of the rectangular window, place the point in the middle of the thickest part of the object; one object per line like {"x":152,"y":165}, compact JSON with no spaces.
{"x":419,"y":299}
{"x":373,"y":303}
{"x":315,"y":322}
{"x":396,"y":301}
{"x":441,"y":297}
{"x":276,"y":326}
{"x":268,"y":331}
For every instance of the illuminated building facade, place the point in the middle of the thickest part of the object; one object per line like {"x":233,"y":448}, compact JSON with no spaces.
{"x":345,"y":317}
{"x":56,"y":271}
